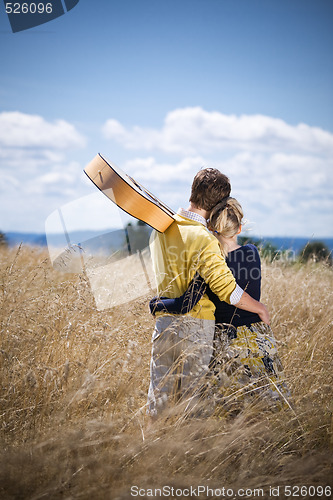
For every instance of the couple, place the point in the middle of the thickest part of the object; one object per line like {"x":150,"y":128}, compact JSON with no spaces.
{"x":199,"y":294}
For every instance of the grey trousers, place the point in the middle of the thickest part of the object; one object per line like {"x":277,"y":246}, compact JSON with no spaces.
{"x":182,"y":347}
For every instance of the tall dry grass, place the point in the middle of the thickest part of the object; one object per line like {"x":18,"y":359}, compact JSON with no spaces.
{"x":74,"y":382}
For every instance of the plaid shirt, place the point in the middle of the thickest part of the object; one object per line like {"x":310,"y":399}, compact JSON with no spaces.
{"x":192,"y":216}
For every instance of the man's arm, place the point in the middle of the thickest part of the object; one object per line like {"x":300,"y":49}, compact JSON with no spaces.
{"x":249,"y":304}
{"x":214,"y":270}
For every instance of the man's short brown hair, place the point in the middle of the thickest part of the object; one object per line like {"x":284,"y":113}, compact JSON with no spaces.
{"x":209,"y":187}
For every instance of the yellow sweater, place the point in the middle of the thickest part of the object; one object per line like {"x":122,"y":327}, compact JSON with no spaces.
{"x":185,"y":248}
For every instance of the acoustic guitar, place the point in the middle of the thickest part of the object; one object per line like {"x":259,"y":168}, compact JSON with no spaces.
{"x":128,"y":194}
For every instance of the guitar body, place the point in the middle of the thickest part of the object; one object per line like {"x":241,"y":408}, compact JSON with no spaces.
{"x":128,"y":194}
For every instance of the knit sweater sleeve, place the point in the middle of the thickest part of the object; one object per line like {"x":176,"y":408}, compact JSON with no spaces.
{"x":214,"y":270}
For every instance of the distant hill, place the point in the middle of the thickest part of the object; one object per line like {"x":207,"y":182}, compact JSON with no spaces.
{"x":60,"y":240}
{"x":289,"y":243}
{"x":32,"y":239}
{"x":134,"y":238}
{"x":115,"y":239}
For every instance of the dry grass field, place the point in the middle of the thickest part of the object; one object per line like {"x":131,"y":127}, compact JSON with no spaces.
{"x":73,"y":391}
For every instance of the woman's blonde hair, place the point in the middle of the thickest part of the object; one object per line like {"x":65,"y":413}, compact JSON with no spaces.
{"x":226,"y":219}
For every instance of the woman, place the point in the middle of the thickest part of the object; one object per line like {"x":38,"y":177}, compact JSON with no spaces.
{"x":245,"y":361}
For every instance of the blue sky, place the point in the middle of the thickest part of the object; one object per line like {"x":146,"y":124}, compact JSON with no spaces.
{"x":163,"y":88}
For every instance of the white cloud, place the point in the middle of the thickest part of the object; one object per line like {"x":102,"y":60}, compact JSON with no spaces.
{"x":30,"y":146}
{"x":281,"y":174}
{"x":60,"y":180}
{"x":19,"y":130}
{"x":189,"y":131}
{"x":280,"y":193}
{"x":278,"y":173}
{"x":154,"y":172}
{"x":283,"y":194}
{"x":8,"y":183}
{"x":36,"y":170}
{"x":28,"y":162}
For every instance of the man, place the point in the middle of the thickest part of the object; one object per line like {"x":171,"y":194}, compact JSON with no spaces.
{"x":183,"y":344}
